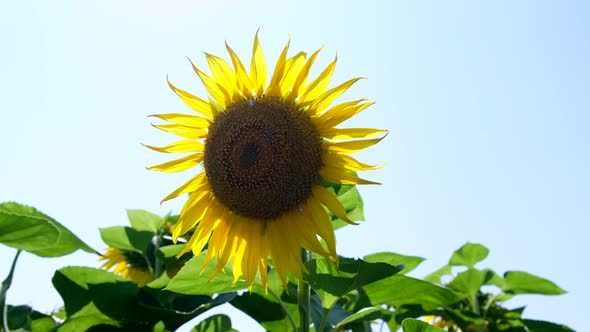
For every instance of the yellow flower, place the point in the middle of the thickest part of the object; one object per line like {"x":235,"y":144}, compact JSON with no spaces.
{"x":268,"y":151}
{"x":129,"y":264}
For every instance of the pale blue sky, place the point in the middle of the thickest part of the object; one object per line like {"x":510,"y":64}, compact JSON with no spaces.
{"x":487,"y":104}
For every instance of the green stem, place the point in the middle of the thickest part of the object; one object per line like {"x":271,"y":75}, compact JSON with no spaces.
{"x":477,"y":310}
{"x":304,"y":296}
{"x":285,"y":309}
{"x":4,"y":289}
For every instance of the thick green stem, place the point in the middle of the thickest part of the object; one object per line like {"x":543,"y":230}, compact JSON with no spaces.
{"x":477,"y":310}
{"x":5,"y":286}
{"x":285,"y":309}
{"x":303,"y":298}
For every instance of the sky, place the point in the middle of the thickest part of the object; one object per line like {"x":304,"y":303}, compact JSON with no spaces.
{"x":486,"y":103}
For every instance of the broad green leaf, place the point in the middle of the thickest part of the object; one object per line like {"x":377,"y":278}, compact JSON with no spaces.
{"x":18,"y":317}
{"x":325,"y":277}
{"x":127,"y":238}
{"x":335,"y":314}
{"x":85,"y":318}
{"x":190,"y":280}
{"x":143,"y":220}
{"x":495,"y":279}
{"x":435,"y":276}
{"x":401,"y":289}
{"x":414,"y":325}
{"x":542,"y":326}
{"x":159,"y":327}
{"x":98,"y":297}
{"x":215,"y":323}
{"x":171,"y":250}
{"x":469,"y":254}
{"x":519,"y":282}
{"x":470,"y":281}
{"x":352,"y":201}
{"x":367,"y":314}
{"x":267,"y":309}
{"x":23,"y":227}
{"x":409,"y":262}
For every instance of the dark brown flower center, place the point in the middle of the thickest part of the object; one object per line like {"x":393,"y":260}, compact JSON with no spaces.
{"x":262,"y":157}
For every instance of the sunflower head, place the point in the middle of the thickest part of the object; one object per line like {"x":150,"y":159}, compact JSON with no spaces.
{"x":128,"y":264}
{"x":267,"y":147}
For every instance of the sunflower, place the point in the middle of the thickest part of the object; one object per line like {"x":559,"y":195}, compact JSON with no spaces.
{"x":269,"y":152}
{"x":129,"y":264}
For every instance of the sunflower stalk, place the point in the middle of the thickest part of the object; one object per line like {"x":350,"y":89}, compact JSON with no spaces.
{"x":5,"y":286}
{"x":304,"y":297}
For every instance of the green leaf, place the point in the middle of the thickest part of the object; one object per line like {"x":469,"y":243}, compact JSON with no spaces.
{"x":367,"y":314}
{"x":143,"y":220}
{"x":94,"y":297}
{"x":469,"y":254}
{"x":435,"y":276}
{"x":269,"y":310}
{"x":127,"y":238}
{"x":519,"y":282}
{"x":215,"y":323}
{"x":470,"y":281}
{"x":23,"y":227}
{"x":351,"y":274}
{"x":190,"y":280}
{"x":542,"y":326}
{"x":352,"y":201}
{"x":401,"y":289}
{"x":85,"y":318}
{"x":414,"y":325}
{"x":409,"y":262}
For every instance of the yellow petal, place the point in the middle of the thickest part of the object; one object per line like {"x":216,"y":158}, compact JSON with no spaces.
{"x":351,"y":146}
{"x":274,"y":88}
{"x":209,"y":223}
{"x":302,"y":76}
{"x":243,"y":81}
{"x":319,"y":121}
{"x":333,"y":118}
{"x":222,"y":73}
{"x":319,"y":85}
{"x":199,"y":205}
{"x":218,"y":92}
{"x":195,"y":103}
{"x":323,"y":101}
{"x":184,"y":120}
{"x":183,"y":131}
{"x":178,"y":165}
{"x":292,"y":70}
{"x":258,"y":69}
{"x":347,"y":162}
{"x":323,"y":223}
{"x":342,"y":176}
{"x":189,"y":187}
{"x":179,"y":147}
{"x":331,"y":202}
{"x":348,"y":133}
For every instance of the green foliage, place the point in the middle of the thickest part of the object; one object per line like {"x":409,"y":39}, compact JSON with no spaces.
{"x":351,"y":200}
{"x":351,"y":296}
{"x":192,"y":279}
{"x":469,"y":254}
{"x":414,"y":325}
{"x":215,"y":323}
{"x":23,"y":227}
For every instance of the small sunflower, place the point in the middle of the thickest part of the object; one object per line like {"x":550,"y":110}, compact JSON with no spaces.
{"x":128,"y":264}
{"x":268,"y":152}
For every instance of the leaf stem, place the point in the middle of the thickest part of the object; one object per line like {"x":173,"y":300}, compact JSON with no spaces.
{"x":4,"y":289}
{"x":285,"y":309}
{"x":304,"y":296}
